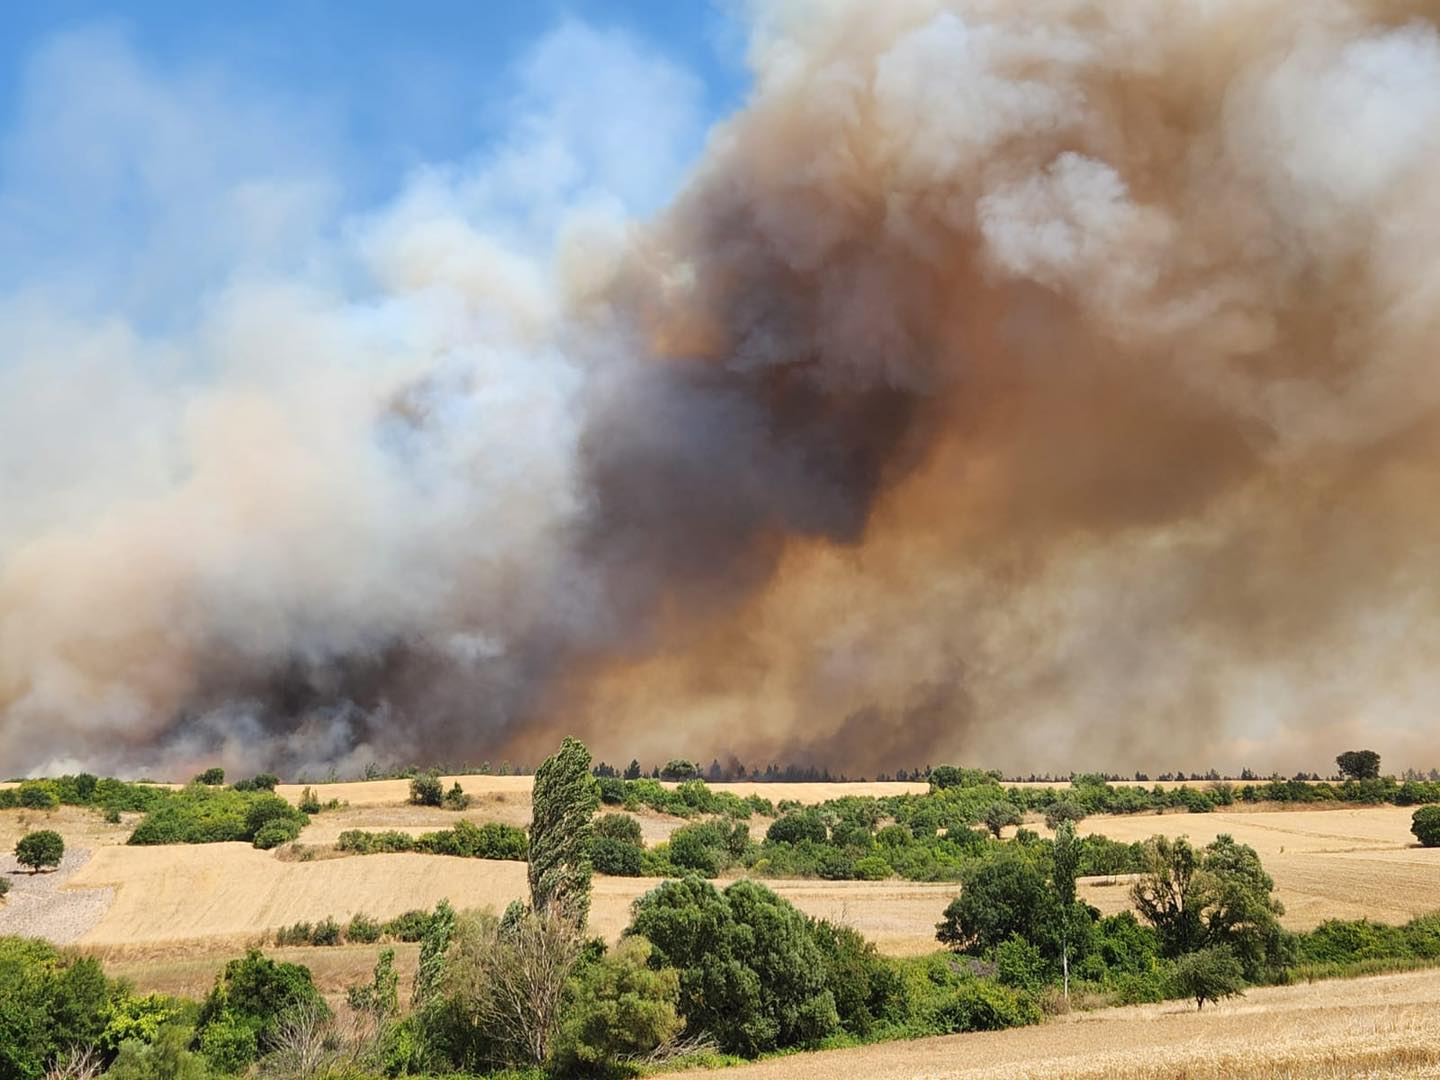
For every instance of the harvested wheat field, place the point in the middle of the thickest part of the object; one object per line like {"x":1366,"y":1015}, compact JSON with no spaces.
{"x":1384,"y":1026}
{"x":233,"y":892}
{"x":1343,"y":863}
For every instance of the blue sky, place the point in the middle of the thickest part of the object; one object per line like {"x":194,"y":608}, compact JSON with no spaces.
{"x":124,"y":128}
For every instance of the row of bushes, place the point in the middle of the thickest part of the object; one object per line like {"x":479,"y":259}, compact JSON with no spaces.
{"x":692,"y":798}
{"x":491,"y":840}
{"x":362,"y":929}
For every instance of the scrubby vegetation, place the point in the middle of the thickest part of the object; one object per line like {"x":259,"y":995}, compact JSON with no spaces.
{"x":202,"y":814}
{"x":491,"y":840}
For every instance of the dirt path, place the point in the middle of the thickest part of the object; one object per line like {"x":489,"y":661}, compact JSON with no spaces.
{"x":1382,"y":1026}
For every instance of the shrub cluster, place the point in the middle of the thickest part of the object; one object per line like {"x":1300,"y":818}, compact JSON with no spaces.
{"x":203,"y":814}
{"x":491,"y":840}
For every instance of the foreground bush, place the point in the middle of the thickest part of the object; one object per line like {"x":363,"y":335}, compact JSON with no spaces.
{"x":50,"y":1003}
{"x":751,"y":974}
{"x":241,"y":1017}
{"x":617,"y":1009}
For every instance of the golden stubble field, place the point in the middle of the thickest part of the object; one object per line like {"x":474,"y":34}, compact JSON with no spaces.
{"x":1385,"y":1026}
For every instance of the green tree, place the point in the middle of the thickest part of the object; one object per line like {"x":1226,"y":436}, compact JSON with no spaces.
{"x":679,"y":769}
{"x":1425,"y":824}
{"x":1217,"y":896}
{"x":1173,"y":893}
{"x":617,"y":1008}
{"x":50,"y":1002}
{"x":1065,"y":866}
{"x":751,"y":973}
{"x":999,"y":814}
{"x":40,"y":850}
{"x":563,"y":801}
{"x":1359,"y":765}
{"x":1063,"y":810}
{"x":1001,"y":895}
{"x":632,"y":771}
{"x":1208,"y":974}
{"x":211,"y":777}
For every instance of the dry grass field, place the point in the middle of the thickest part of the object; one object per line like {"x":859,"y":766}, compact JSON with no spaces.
{"x":1384,"y":1026}
{"x":171,"y":896}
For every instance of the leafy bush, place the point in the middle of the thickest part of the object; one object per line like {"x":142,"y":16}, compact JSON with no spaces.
{"x":362,"y":929}
{"x":309,"y":802}
{"x":1425,"y":824}
{"x":240,"y":1017}
{"x":326,"y":932}
{"x":751,"y":973}
{"x":456,"y":799}
{"x":50,"y":1002}
{"x":294,"y":934}
{"x":981,"y":1005}
{"x":1020,"y":965}
{"x":167,"y":1057}
{"x":798,"y":826}
{"x":865,"y":986}
{"x":426,"y":790}
{"x":617,"y":1008}
{"x":409,"y":926}
{"x":33,"y":796}
{"x":262,"y":782}
{"x":211,"y":777}
{"x":274,"y":833}
{"x":39,"y":850}
{"x":618,"y":847}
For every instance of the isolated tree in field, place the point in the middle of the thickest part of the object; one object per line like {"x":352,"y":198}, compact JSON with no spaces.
{"x":1359,"y":765}
{"x":999,"y":814}
{"x":39,"y":850}
{"x":1425,"y":824}
{"x":1209,"y":975}
{"x":563,"y":802}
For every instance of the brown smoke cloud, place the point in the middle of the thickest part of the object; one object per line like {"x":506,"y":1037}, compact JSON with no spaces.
{"x":1046,"y":386}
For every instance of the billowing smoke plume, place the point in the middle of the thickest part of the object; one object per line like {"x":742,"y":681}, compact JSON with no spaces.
{"x":1046,"y":385}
